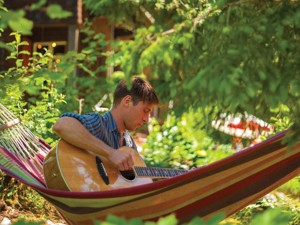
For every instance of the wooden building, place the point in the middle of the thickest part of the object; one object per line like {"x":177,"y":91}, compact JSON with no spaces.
{"x":57,"y":35}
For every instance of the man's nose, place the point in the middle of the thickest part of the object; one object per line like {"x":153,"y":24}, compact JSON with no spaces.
{"x":146,"y":118}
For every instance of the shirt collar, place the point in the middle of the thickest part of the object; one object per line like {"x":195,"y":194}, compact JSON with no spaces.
{"x":113,"y":128}
{"x":112,"y":123}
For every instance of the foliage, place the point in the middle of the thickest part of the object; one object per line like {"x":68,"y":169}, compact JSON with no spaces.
{"x":36,"y":92}
{"x":90,"y":85}
{"x":177,"y":143}
{"x":171,"y":145}
{"x":55,"y":11}
{"x":196,"y":122}
{"x":16,"y":20}
{"x":20,"y":197}
{"x":269,"y":217}
{"x":213,"y":53}
{"x":29,"y":91}
{"x":287,"y":209}
{"x":177,"y":46}
{"x":291,"y":187}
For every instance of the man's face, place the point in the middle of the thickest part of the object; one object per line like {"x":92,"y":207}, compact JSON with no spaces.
{"x":137,"y":115}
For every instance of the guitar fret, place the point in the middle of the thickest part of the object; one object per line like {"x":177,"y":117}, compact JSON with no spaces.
{"x":157,"y":172}
{"x":166,"y":172}
{"x":152,"y":171}
{"x":161,"y":173}
{"x":140,"y":171}
{"x":149,"y":172}
{"x":173,"y":173}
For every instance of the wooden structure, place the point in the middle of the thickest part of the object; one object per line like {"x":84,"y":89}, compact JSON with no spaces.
{"x":57,"y":35}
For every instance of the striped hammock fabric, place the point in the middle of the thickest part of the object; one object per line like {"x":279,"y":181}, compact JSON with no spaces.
{"x":227,"y":186}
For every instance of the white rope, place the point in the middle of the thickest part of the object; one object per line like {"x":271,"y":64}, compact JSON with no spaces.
{"x":16,"y":137}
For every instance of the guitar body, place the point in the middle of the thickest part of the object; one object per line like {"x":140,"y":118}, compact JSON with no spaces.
{"x":67,"y":167}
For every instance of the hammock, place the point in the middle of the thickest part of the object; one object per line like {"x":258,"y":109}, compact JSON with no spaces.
{"x":227,"y":185}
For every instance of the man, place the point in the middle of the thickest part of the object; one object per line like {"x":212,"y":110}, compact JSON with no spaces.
{"x":102,"y":135}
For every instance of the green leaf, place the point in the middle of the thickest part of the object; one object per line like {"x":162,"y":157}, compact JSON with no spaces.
{"x":38,"y":5}
{"x":168,"y":220}
{"x":12,"y":56}
{"x":23,"y":43}
{"x":55,"y":11}
{"x":272,"y":217}
{"x":233,"y":52}
{"x":49,"y":75}
{"x":273,"y":86}
{"x":196,"y":221}
{"x":17,"y":37}
{"x":247,"y":29}
{"x":6,"y":46}
{"x":24,"y":52}
{"x":216,"y":219}
{"x":221,"y":3}
{"x":262,"y":75}
{"x":111,"y":219}
{"x":250,"y":92}
{"x":80,"y":56}
{"x":135,"y":221}
{"x":22,"y":25}
{"x":19,"y":62}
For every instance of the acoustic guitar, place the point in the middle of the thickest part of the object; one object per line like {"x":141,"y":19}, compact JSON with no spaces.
{"x":67,"y":167}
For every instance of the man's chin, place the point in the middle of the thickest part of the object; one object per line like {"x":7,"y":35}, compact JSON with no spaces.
{"x":137,"y":127}
{"x":132,"y":129}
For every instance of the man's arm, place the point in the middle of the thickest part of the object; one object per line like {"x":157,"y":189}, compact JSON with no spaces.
{"x":72,"y":131}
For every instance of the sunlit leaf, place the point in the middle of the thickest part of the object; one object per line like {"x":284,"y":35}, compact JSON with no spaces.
{"x":55,"y":11}
{"x":22,"y":25}
{"x":24,"y":52}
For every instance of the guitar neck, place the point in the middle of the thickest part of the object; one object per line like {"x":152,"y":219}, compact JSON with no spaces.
{"x":157,"y":172}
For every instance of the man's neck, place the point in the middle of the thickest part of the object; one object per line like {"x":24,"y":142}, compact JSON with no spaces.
{"x":118,"y":120}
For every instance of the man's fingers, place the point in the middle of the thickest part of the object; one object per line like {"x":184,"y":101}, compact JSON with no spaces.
{"x":126,"y":162}
{"x":122,"y":160}
{"x":125,"y":166}
{"x":130,"y":162}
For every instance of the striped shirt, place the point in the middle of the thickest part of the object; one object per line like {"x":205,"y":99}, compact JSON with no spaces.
{"x":103,"y":127}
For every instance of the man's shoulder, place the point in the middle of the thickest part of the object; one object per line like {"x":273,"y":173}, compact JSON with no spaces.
{"x":88,"y":117}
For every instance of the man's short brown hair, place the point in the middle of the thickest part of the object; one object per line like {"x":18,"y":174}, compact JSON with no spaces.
{"x":140,"y":90}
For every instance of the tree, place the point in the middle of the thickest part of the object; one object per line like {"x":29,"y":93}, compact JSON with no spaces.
{"x":219,"y":56}
{"x":222,"y":56}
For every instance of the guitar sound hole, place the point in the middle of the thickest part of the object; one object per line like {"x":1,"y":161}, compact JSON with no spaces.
{"x":128,"y":174}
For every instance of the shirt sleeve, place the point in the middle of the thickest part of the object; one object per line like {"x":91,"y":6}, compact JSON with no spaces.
{"x":90,"y":121}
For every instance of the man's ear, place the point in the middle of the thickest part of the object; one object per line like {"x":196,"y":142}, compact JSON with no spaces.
{"x":126,"y":100}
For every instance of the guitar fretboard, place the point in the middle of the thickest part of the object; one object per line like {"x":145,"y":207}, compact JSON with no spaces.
{"x":157,"y":172}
